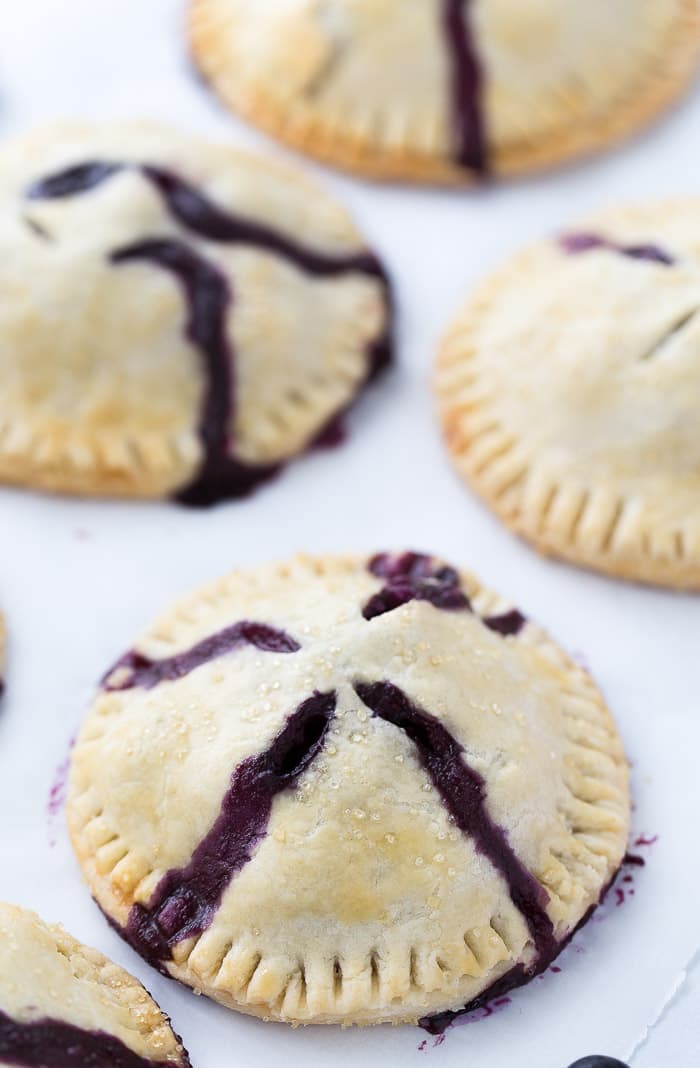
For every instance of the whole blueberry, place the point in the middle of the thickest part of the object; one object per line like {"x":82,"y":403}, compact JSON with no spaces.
{"x":596,"y":1061}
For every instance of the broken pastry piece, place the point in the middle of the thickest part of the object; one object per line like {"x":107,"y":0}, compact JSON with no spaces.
{"x":64,"y":1004}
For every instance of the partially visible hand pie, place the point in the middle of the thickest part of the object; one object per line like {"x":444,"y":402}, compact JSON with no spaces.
{"x":63,"y":1005}
{"x":348,"y":790}
{"x":178,"y":318}
{"x":446,"y":90}
{"x":570,"y":393}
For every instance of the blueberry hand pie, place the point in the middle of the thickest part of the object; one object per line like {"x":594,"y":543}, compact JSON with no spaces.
{"x":178,"y":318}
{"x":348,"y":790}
{"x":446,"y":90}
{"x":63,"y":1005}
{"x":570,"y":393}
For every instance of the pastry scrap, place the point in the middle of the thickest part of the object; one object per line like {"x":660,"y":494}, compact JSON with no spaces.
{"x":446,"y":90}
{"x":179,"y":318}
{"x":569,"y":390}
{"x":348,"y":790}
{"x":66,"y":1006}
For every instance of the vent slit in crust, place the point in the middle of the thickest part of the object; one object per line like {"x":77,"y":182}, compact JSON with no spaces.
{"x":186,"y":900}
{"x":197,"y":213}
{"x":135,"y":669}
{"x":470,"y":145}
{"x":208,"y":299}
{"x":686,"y":320}
{"x":463,"y":792}
{"x":577,"y":243}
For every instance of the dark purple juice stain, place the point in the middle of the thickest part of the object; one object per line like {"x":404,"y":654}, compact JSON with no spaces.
{"x":442,"y":1021}
{"x":494,"y":1006}
{"x":186,"y":899}
{"x":577,"y":243}
{"x":209,"y":299}
{"x":466,"y":88}
{"x":147,"y":673}
{"x":57,"y":793}
{"x":646,"y":840}
{"x":633,"y":861}
{"x":47,"y":1043}
{"x":412,"y":576}
{"x":463,"y":792}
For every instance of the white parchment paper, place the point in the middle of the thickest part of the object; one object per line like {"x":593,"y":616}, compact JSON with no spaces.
{"x":79,"y":580}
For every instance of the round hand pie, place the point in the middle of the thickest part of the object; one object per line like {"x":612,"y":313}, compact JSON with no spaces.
{"x":348,"y":791}
{"x":570,"y":394}
{"x":177,"y":319}
{"x":446,"y":90}
{"x":64,"y":1005}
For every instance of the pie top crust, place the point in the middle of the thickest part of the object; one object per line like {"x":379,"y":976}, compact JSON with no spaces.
{"x":59,"y":999}
{"x":388,"y":723}
{"x":569,"y":390}
{"x":180,"y":318}
{"x":442,"y":90}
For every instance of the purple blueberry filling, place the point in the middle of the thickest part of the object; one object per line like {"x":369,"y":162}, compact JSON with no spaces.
{"x":463,"y":792}
{"x":466,"y":85}
{"x":147,"y":673}
{"x":416,"y":577}
{"x":186,"y":900}
{"x":517,"y":976}
{"x":577,"y":243}
{"x":209,"y":299}
{"x":196,"y":213}
{"x":507,"y":623}
{"x":50,"y":1043}
{"x":413,"y":577}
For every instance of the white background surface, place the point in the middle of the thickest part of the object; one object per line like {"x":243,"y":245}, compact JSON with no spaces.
{"x":79,"y":580}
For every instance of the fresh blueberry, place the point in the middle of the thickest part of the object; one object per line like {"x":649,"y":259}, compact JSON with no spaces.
{"x":596,"y":1061}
